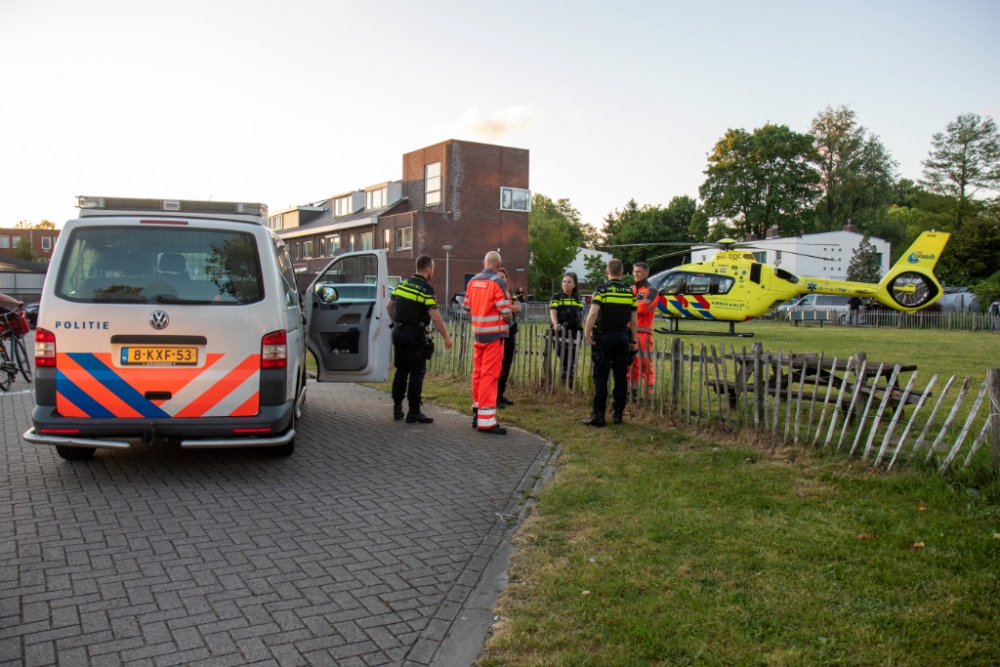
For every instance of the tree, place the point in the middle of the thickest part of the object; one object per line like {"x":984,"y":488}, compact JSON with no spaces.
{"x":650,"y":224}
{"x":551,"y":251}
{"x":595,"y":265}
{"x":44,"y":224}
{"x":760,"y":179}
{"x":964,"y":160}
{"x":856,"y":171}
{"x":24,"y":250}
{"x":698,"y":230}
{"x":865,"y":266}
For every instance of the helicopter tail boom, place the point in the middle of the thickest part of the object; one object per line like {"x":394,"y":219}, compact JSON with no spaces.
{"x":911,"y":284}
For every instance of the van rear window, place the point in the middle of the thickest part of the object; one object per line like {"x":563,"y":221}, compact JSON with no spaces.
{"x":160,"y":265}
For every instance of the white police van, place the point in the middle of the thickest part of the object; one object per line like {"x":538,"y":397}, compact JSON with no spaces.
{"x":181,"y":320}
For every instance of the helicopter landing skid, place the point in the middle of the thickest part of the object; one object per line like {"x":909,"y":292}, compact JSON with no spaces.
{"x":675,"y":329}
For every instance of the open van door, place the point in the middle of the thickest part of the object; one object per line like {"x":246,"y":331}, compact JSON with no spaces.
{"x":348,"y":327}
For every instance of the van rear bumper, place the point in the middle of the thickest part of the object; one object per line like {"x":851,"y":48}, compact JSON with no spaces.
{"x":194,"y":432}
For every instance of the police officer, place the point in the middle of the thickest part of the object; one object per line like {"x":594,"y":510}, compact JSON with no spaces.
{"x":509,"y":344}
{"x":412,"y":308}
{"x":566,"y":313}
{"x":610,"y":330}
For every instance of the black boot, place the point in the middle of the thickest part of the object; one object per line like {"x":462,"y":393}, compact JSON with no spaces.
{"x":596,"y":419}
{"x":496,"y":429}
{"x":475,"y":417}
{"x":616,"y":415}
{"x":397,"y":410}
{"x":418,"y":418}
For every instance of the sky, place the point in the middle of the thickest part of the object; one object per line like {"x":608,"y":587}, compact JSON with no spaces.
{"x":294,"y":101}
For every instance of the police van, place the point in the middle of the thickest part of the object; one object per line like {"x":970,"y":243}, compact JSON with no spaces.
{"x":181,"y":320}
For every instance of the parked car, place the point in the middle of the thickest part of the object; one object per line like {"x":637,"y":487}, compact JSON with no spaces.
{"x":838,"y":304}
{"x":31,"y":311}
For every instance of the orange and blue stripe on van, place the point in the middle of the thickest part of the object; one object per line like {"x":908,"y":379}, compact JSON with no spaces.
{"x":89,"y":385}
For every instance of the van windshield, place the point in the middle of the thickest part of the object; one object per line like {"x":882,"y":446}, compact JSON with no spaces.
{"x":160,"y":265}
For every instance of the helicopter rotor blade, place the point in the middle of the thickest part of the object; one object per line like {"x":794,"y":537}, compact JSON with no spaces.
{"x":669,"y":254}
{"x":800,"y":254}
{"x":642,"y":245}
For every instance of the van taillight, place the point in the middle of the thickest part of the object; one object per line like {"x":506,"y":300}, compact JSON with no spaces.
{"x":45,"y":349}
{"x":274,"y":350}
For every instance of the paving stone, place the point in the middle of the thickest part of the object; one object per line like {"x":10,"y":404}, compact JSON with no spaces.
{"x":341,"y":554}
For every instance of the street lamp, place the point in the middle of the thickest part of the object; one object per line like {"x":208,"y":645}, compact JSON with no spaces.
{"x":447,"y":250}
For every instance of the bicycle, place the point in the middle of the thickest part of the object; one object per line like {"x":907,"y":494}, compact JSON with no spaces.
{"x":13,"y":328}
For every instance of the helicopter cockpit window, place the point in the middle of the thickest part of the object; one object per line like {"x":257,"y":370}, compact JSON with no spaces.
{"x":696,"y":283}
{"x":699,"y":284}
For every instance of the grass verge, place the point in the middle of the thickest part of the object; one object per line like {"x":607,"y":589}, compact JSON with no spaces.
{"x":655,"y":545}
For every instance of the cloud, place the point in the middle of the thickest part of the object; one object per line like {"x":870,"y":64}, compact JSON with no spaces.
{"x":495,"y":126}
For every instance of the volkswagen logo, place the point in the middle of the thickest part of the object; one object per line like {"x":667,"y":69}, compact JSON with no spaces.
{"x":159,"y":320}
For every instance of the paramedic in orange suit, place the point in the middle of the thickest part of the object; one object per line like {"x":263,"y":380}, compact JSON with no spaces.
{"x":488,"y":304}
{"x":645,"y":296}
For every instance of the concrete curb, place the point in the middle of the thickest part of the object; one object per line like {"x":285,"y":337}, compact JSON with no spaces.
{"x":468,"y":633}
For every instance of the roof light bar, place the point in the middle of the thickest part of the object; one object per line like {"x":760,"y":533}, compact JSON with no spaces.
{"x":172,"y":205}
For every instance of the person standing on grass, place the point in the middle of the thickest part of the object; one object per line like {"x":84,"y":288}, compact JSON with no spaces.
{"x":566,"y":314}
{"x":854,"y":304}
{"x":994,"y":313}
{"x":488,"y":304}
{"x":412,"y":308}
{"x":509,"y":343}
{"x":610,"y":330}
{"x":645,"y":296}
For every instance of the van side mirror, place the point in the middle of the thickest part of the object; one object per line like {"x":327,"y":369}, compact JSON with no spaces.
{"x":327,"y":293}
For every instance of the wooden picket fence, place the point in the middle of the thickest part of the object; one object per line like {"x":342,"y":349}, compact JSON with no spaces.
{"x":874,"y":410}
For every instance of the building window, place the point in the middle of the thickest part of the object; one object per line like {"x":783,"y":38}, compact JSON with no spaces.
{"x":307,"y":250}
{"x":274,"y":222}
{"x":46,"y":243}
{"x":4,"y":241}
{"x":332,"y":243}
{"x":375,"y":198}
{"x":350,"y":248}
{"x":366,"y":241}
{"x":297,"y":251}
{"x":777,"y":255}
{"x":15,"y":240}
{"x":432,"y":184}
{"x":515,"y":199}
{"x":404,"y":238}
{"x":760,"y":257}
{"x":343,"y":206}
{"x":387,"y":239}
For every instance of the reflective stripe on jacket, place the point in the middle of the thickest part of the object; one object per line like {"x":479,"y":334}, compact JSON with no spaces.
{"x":486,"y":302}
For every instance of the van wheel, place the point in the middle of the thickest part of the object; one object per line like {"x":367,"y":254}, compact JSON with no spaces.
{"x":75,"y":453}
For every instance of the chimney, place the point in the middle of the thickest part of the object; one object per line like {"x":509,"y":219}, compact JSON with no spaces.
{"x":751,"y":237}
{"x":850,"y":228}
{"x":773,"y":233}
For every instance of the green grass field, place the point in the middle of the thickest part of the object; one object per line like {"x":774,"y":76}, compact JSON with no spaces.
{"x":656,"y":545}
{"x":943,"y":352}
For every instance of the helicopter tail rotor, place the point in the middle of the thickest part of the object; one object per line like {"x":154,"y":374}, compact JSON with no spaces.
{"x":911,"y":284}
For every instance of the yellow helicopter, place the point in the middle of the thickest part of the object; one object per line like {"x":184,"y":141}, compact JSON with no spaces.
{"x":734,"y":287}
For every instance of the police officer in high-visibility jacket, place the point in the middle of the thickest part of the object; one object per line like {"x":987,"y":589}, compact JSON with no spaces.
{"x":488,"y":304}
{"x":645,"y":297}
{"x":609,"y":329}
{"x":412,"y":307}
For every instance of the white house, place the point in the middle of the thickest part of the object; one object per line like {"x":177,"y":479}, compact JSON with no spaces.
{"x":579,"y":266}
{"x":837,"y":247}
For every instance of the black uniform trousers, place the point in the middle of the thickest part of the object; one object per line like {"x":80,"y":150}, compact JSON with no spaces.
{"x":408,"y":348}
{"x":508,"y":358}
{"x":566,"y":350}
{"x":614,"y":345}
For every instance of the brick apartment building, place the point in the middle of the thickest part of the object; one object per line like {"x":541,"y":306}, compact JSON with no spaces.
{"x":42,"y":240}
{"x":470,"y":196}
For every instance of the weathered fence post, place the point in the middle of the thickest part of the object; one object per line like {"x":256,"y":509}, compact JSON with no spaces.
{"x":993,"y":375}
{"x":676,"y":371}
{"x":759,"y":404}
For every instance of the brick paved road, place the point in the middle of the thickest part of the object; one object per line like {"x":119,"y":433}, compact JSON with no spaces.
{"x":358,"y":550}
